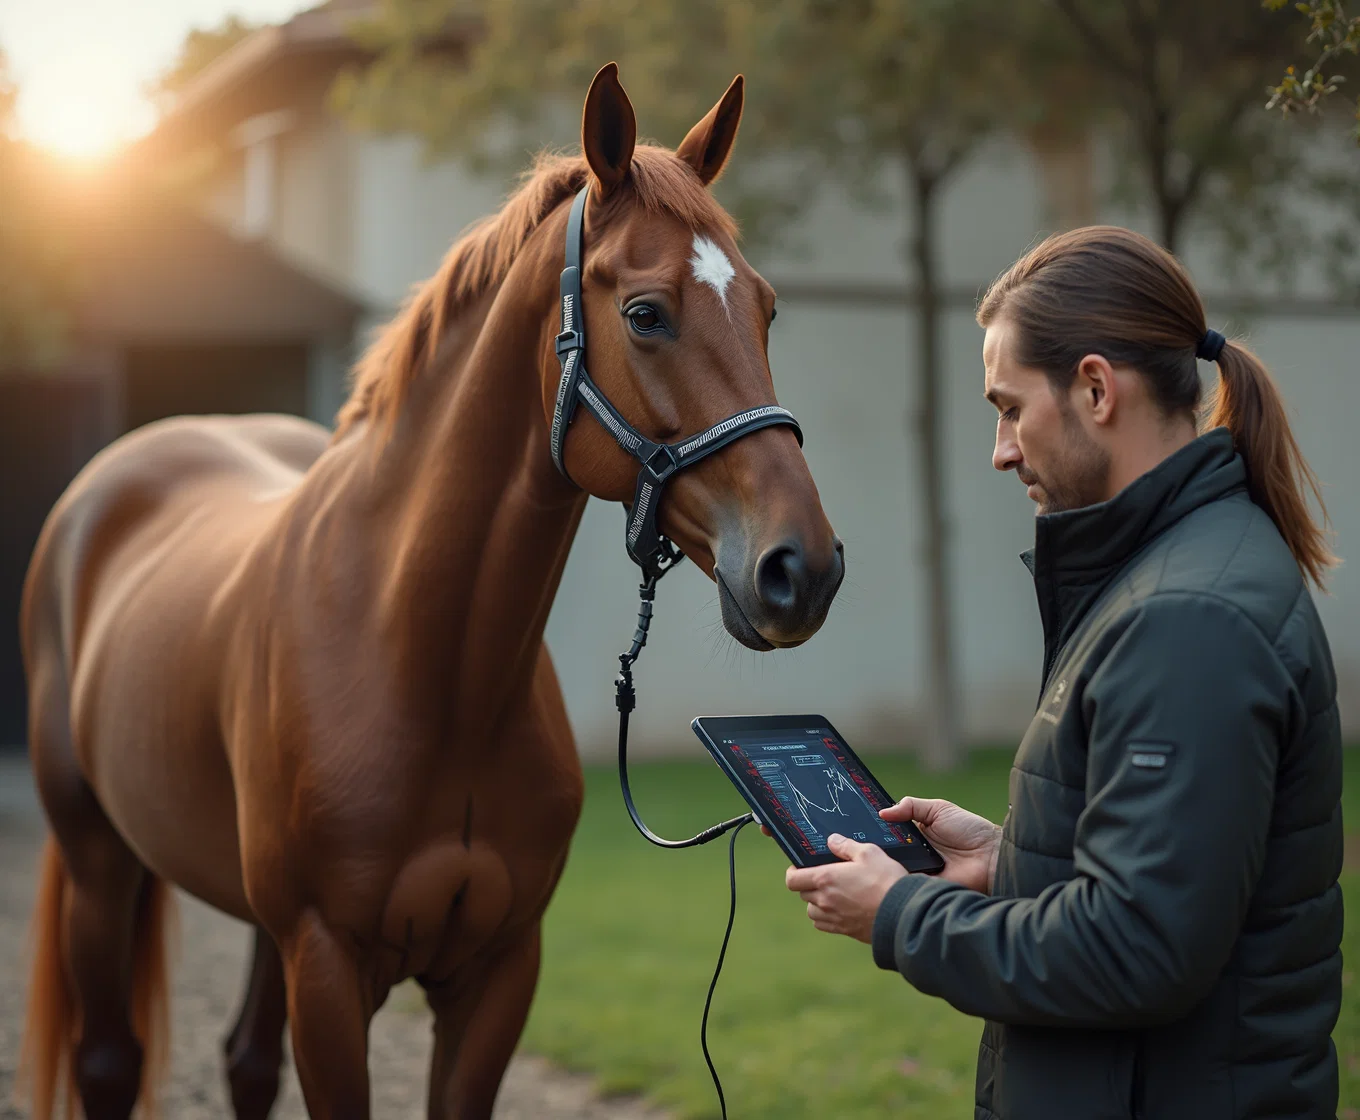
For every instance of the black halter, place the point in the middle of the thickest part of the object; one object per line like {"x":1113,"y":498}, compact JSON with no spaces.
{"x":651,"y":551}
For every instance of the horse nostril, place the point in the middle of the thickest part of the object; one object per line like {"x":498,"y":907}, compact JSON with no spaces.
{"x":780,"y":573}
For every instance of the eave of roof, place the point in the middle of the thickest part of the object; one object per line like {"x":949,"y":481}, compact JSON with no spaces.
{"x":242,"y":80}
{"x":150,"y":268}
{"x":325,"y":28}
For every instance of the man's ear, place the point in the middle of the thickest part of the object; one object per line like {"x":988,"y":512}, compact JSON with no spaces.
{"x":608,"y":129}
{"x":1096,"y":388}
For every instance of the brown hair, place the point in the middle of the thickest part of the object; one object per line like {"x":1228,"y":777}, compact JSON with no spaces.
{"x":481,"y":259}
{"x":1109,"y":291}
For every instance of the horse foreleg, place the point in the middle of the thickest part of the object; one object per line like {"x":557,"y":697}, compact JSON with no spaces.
{"x":477,"y":1026}
{"x":329,"y":1016}
{"x":254,"y":1048}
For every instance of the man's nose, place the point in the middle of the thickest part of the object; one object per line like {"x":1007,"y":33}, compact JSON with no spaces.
{"x":1006,"y":454}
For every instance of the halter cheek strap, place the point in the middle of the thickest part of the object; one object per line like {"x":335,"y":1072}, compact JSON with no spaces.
{"x":650,"y":550}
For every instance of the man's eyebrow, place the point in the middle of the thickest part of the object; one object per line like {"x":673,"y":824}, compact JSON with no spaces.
{"x":994,"y":395}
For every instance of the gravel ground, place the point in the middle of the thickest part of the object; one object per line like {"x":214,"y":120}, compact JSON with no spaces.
{"x":208,"y":979}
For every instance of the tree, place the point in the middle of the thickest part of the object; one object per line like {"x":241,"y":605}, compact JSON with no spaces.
{"x":842,"y":89}
{"x":899,"y":100}
{"x":1337,"y":34}
{"x":201,"y":47}
{"x":1182,"y":84}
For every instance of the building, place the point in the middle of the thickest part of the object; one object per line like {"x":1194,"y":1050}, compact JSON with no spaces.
{"x":174,"y":314}
{"x":369,"y":216}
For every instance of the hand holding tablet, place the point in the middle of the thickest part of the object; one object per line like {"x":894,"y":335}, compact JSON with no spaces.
{"x":804,"y":784}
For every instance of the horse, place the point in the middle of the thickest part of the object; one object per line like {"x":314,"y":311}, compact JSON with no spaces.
{"x":301,"y":674}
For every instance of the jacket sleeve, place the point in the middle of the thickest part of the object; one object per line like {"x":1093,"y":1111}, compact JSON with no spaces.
{"x":1186,"y":714}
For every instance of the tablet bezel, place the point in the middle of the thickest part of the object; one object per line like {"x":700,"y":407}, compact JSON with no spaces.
{"x":711,"y":729}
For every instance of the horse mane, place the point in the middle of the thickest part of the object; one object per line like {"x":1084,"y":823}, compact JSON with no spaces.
{"x":482,"y":257}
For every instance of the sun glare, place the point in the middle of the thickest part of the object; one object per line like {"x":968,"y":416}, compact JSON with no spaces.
{"x":79,"y":106}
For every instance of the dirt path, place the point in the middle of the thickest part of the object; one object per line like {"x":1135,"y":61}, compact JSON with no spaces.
{"x":208,"y":980}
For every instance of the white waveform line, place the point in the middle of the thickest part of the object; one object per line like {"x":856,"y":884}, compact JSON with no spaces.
{"x":838,"y":782}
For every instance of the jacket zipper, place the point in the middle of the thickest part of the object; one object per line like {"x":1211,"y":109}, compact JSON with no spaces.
{"x":1136,"y":1089}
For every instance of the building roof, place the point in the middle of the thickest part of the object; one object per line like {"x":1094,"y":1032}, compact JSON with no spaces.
{"x":153,"y":270}
{"x":261,"y":73}
{"x":265,"y":72}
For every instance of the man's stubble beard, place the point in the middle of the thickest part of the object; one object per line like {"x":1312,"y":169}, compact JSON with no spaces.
{"x":1080,"y":475}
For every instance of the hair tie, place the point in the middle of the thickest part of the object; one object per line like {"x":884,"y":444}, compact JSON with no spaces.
{"x":1211,"y":346}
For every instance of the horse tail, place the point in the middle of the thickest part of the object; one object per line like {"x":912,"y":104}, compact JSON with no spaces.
{"x":151,"y":985}
{"x":50,"y":1029}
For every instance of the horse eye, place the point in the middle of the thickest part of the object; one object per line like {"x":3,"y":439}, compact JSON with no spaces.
{"x":644,"y":319}
{"x":774,"y":314}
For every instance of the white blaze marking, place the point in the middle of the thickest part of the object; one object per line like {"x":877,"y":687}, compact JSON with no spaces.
{"x":711,"y":266}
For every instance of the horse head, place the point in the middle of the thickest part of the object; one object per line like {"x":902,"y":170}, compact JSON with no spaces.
{"x":678,"y":324}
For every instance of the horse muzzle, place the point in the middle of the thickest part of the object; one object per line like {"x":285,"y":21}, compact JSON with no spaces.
{"x":781,"y":598}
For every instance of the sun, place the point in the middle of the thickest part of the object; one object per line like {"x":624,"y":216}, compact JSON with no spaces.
{"x":78,"y":132}
{"x":76,"y":107}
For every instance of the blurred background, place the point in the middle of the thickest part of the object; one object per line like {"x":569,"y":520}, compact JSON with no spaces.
{"x":207,"y":205}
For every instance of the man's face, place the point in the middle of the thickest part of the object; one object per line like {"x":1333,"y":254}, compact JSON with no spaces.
{"x":1039,"y":432}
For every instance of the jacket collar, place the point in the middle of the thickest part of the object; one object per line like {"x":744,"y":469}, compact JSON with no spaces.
{"x":1078,"y":552}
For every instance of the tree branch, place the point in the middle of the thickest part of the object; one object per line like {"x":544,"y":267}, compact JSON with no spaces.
{"x":1246,"y":96}
{"x":1097,"y":42}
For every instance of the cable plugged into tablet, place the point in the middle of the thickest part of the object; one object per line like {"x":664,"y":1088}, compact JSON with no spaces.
{"x":625,"y":699}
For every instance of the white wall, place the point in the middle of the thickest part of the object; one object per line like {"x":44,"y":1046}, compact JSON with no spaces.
{"x":407,"y":213}
{"x":313,"y":213}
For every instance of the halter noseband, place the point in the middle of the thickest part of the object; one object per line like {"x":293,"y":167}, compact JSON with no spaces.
{"x":651,"y":551}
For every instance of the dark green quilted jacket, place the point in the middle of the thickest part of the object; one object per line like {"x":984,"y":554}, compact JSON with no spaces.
{"x":1163,"y":938}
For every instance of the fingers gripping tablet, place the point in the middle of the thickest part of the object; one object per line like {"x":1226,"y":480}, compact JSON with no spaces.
{"x":804,"y":782}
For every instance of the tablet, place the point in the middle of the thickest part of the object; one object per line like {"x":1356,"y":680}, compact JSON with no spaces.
{"x":804,"y":782}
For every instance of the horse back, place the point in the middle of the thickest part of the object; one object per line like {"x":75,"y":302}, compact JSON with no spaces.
{"x":133,"y":497}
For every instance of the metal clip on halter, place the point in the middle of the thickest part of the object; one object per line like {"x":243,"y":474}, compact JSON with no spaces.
{"x":653,"y":552}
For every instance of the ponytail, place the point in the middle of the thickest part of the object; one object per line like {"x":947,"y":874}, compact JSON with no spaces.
{"x":1248,"y":404}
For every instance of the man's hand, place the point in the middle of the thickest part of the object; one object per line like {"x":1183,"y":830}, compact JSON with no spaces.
{"x":844,"y":897}
{"x":968,"y":843}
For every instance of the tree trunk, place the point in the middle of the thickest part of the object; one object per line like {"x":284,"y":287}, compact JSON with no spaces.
{"x":941,"y":748}
{"x":1170,"y":210}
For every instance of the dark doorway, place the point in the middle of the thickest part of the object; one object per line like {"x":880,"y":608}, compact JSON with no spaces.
{"x":175,"y":380}
{"x":49,"y":428}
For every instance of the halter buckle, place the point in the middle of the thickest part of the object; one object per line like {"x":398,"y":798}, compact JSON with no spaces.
{"x":668,"y":460}
{"x":568,"y":341}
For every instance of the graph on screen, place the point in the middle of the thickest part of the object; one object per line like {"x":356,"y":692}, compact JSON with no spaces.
{"x":809,"y":788}
{"x":820,"y":796}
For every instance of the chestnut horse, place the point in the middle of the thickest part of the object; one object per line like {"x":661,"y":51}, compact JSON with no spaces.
{"x":303,"y":676}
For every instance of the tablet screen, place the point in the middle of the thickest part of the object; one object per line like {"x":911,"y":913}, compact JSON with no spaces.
{"x":811,"y":787}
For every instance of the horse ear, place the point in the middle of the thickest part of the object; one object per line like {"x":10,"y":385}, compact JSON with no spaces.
{"x":707,"y":146}
{"x":608,"y":128}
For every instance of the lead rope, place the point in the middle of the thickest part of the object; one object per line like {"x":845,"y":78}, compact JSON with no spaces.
{"x":625,"y":699}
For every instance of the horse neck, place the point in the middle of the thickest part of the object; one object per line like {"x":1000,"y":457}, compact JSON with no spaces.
{"x":479,"y":521}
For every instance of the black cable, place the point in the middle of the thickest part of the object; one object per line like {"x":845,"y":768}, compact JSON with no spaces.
{"x":694,"y":841}
{"x":626,"y":699}
{"x":722,"y":954}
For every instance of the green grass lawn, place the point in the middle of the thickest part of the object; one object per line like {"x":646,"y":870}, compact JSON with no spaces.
{"x":804,"y":1024}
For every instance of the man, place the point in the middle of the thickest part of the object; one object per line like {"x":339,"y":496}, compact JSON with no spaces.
{"x":1155,"y":928}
